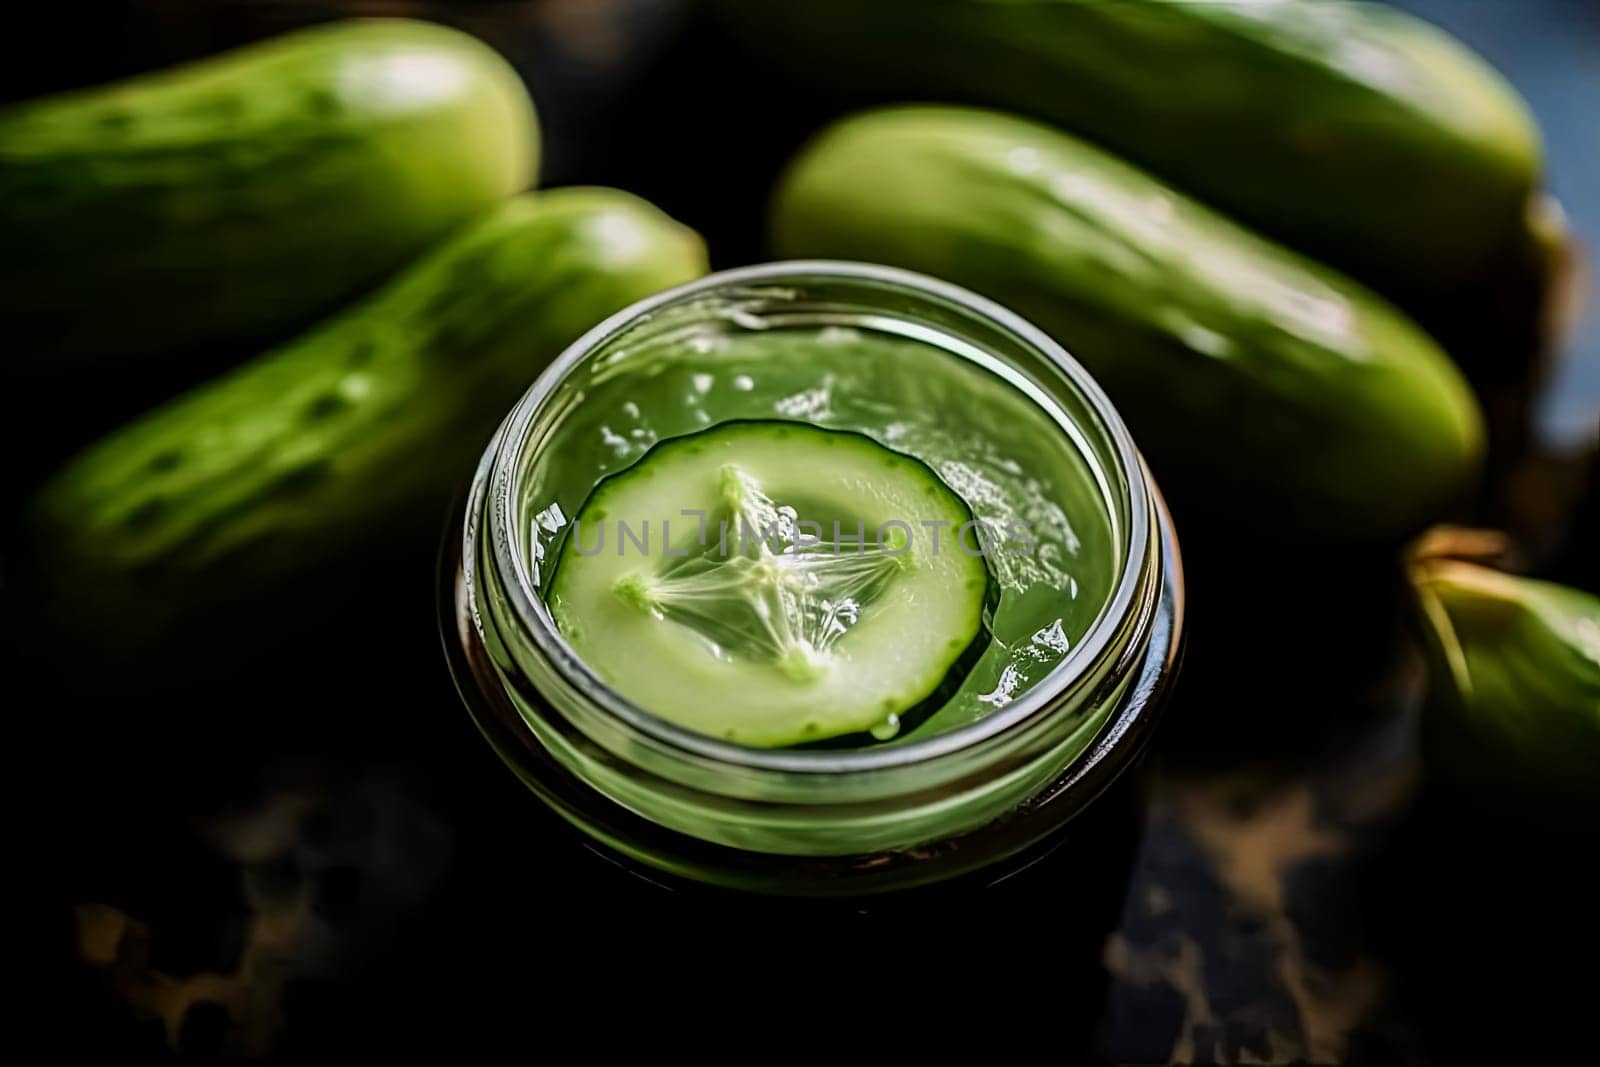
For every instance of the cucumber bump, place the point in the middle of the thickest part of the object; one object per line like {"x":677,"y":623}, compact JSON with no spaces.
{"x":774,"y":583}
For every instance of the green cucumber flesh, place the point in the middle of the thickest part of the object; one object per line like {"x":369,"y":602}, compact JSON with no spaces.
{"x":774,"y":583}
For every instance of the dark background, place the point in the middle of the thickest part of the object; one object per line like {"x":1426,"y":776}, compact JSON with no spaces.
{"x":325,"y":855}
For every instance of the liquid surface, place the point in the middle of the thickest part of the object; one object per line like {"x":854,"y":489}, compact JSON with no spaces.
{"x":1014,"y":464}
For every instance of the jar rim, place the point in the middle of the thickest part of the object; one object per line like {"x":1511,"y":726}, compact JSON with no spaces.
{"x":505,"y":460}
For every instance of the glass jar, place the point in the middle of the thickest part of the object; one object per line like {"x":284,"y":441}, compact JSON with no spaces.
{"x":877,"y":827}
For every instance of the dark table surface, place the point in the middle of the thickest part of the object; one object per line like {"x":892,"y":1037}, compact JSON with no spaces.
{"x":1250,"y":933}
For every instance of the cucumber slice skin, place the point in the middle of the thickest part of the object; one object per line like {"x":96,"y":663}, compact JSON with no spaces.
{"x":965,"y":663}
{"x":893,"y":663}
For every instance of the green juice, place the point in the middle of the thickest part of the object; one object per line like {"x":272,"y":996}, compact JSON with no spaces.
{"x":991,"y":436}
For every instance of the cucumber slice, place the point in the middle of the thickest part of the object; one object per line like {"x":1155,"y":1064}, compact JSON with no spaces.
{"x":773,"y":583}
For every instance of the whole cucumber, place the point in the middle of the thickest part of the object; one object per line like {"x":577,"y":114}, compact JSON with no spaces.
{"x":218,"y":202}
{"x":355,"y":431}
{"x":1350,"y":131}
{"x":1261,"y":385}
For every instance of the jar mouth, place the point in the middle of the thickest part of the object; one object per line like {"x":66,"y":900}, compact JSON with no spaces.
{"x":499,"y":489}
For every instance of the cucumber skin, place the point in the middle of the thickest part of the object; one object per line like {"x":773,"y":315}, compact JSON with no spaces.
{"x":1360,"y":431}
{"x":357,"y":430}
{"x":229,"y":200}
{"x":1350,"y":131}
{"x":1514,"y":686}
